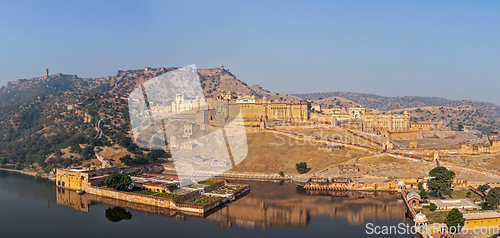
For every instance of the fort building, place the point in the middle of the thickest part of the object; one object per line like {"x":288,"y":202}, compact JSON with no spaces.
{"x":421,"y":126}
{"x":361,"y":119}
{"x":269,"y":110}
{"x":226,"y":105}
{"x":494,"y":139}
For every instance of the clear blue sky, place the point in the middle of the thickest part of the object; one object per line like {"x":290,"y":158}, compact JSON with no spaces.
{"x":449,"y":49}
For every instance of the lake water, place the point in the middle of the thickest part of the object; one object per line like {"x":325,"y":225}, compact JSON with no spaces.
{"x":31,"y":208}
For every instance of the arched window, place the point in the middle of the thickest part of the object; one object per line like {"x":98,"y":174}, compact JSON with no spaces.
{"x":62,"y":183}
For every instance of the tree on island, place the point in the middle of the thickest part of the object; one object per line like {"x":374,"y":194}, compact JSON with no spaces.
{"x":301,"y":167}
{"x":118,"y":181}
{"x":493,"y":197}
{"x":441,"y":181}
{"x":454,"y":219}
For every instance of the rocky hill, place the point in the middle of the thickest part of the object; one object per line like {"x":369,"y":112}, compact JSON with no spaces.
{"x":51,"y":121}
{"x":24,"y":90}
{"x":214,"y":81}
{"x":394,"y":103}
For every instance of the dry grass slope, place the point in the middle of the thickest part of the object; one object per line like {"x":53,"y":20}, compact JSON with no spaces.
{"x":271,"y":153}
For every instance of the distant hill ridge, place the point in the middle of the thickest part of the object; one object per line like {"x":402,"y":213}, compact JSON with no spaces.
{"x":39,"y":122}
{"x":394,"y":103}
{"x":213,"y":81}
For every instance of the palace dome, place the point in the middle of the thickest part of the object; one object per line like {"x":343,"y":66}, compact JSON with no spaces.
{"x":401,"y":183}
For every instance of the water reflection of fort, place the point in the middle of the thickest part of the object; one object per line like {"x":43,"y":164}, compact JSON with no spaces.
{"x":253,"y":212}
{"x":269,"y":204}
{"x":83,"y":202}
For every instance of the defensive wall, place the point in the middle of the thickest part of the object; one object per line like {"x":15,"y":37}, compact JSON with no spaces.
{"x":79,"y":180}
{"x":343,"y":184}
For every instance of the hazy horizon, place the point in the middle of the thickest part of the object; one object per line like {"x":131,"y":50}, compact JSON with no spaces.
{"x":445,"y":49}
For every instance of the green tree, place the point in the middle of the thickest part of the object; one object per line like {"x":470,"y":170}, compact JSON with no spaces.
{"x":67,"y":162}
{"x":423,"y":194}
{"x":48,"y":169}
{"x":87,"y":152}
{"x":483,"y":188}
{"x":76,"y":148}
{"x":441,"y":181}
{"x":58,"y":153}
{"x":301,"y":167}
{"x":420,"y":186}
{"x":19,"y":166}
{"x":3,"y":161}
{"x":493,"y":197}
{"x":118,"y":181}
{"x":432,"y":206}
{"x":468,"y":194}
{"x":454,"y":219}
{"x":155,"y":154}
{"x":281,"y":174}
{"x":139,"y":159}
{"x":126,"y":159}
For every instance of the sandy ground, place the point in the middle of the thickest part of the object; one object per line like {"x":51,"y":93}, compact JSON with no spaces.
{"x":271,"y":153}
{"x":442,"y":139}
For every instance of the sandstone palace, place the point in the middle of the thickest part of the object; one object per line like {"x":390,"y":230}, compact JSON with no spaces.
{"x":263,"y":109}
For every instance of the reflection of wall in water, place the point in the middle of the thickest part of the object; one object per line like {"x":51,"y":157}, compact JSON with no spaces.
{"x":71,"y":199}
{"x":253,"y":212}
{"x":356,"y":206}
{"x":82,"y":202}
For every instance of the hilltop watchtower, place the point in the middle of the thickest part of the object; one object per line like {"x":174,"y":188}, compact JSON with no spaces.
{"x":46,"y":72}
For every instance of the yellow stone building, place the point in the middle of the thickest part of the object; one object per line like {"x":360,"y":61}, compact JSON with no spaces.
{"x":268,"y":110}
{"x":71,"y":178}
{"x":371,"y":120}
{"x":480,"y":219}
{"x":421,"y":126}
{"x":250,"y":107}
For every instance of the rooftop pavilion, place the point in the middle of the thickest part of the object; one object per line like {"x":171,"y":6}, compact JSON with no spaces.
{"x":481,"y":215}
{"x":449,"y":204}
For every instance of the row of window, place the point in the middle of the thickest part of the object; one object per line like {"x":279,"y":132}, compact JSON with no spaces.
{"x":481,"y":221}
